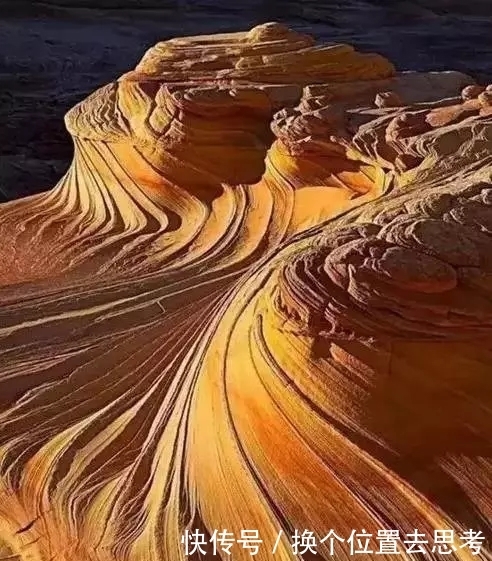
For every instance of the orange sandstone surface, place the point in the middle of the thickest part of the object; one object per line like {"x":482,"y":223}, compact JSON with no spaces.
{"x":260,"y":298}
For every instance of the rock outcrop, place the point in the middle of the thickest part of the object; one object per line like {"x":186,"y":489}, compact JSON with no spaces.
{"x":259,"y":299}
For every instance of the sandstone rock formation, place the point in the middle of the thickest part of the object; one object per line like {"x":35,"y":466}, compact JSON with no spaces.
{"x":259,"y":298}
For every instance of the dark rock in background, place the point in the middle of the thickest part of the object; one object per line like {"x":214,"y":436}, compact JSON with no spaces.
{"x":53,"y":54}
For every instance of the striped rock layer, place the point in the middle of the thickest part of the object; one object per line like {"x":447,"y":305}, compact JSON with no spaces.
{"x":260,"y":298}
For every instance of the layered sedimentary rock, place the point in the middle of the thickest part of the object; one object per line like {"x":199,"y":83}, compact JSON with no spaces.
{"x":259,"y":299}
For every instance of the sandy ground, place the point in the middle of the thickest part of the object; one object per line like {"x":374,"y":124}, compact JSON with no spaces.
{"x":52,"y":58}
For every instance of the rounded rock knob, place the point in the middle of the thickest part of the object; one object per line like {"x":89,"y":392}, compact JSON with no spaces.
{"x":471,"y":92}
{"x":485,"y":99}
{"x":387,"y":99}
{"x":269,"y":31}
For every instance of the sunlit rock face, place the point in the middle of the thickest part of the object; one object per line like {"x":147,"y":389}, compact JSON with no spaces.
{"x":259,"y":299}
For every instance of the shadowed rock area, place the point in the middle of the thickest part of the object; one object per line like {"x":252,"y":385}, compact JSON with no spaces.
{"x":54,"y":53}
